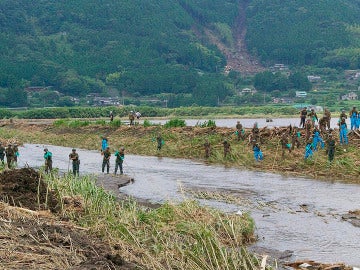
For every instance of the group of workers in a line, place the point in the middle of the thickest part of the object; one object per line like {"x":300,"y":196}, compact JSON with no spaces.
{"x":74,"y":157}
{"x":11,"y":152}
{"x":132,"y":116}
{"x":315,"y":130}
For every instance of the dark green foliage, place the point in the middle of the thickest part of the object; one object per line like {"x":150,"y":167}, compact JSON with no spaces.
{"x":210,"y":123}
{"x":82,"y":47}
{"x":268,"y":81}
{"x":299,"y":32}
{"x":175,"y":123}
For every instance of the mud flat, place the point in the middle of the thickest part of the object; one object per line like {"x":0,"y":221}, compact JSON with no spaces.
{"x":111,"y":183}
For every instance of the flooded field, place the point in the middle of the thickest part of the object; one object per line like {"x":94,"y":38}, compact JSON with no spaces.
{"x":295,"y":214}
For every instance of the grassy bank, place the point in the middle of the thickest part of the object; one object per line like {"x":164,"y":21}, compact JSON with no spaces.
{"x":187,"y":142}
{"x":123,"y":111}
{"x":181,"y":236}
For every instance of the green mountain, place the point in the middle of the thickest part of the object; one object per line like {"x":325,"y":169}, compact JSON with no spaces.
{"x":305,"y":32}
{"x":178,"y":47}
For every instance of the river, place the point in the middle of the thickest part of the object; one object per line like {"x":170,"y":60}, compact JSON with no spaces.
{"x":291,"y":213}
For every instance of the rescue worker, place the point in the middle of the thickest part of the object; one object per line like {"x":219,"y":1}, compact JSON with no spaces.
{"x":120,"y":156}
{"x":295,"y":138}
{"x":258,"y":155}
{"x":239,"y":131}
{"x":255,"y":132}
{"x":308,"y":128}
{"x":2,"y":153}
{"x":343,"y":114}
{"x":317,"y":139}
{"x":16,"y":153}
{"x":313,"y":116}
{"x":309,"y":149}
{"x":75,"y":162}
{"x":343,"y":131}
{"x":226,"y":145}
{"x":9,"y":151}
{"x":131,"y":118}
{"x":303,"y":114}
{"x":106,"y":160}
{"x":111,"y":116}
{"x":104,"y":144}
{"x":159,"y":141}
{"x":353,"y":118}
{"x":48,"y":160}
{"x":285,"y":144}
{"x":331,"y":148}
{"x":327,"y":116}
{"x":207,"y":147}
{"x":322,"y":124}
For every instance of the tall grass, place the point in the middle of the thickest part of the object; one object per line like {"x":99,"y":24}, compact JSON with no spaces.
{"x":173,"y":236}
{"x":175,"y":123}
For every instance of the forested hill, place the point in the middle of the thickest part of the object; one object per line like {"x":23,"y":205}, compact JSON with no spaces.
{"x":150,"y":47}
{"x":324,"y":33}
{"x":77,"y":46}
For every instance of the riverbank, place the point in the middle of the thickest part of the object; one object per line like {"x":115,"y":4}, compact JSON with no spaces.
{"x":187,"y":142}
{"x":59,"y":135}
{"x":54,"y":222}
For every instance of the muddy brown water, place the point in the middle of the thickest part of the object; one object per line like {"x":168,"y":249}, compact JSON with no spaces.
{"x":291,"y":213}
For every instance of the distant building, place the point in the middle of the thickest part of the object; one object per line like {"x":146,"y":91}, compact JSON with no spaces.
{"x":283,"y":100}
{"x":316,"y":108}
{"x":313,"y":78}
{"x":300,"y":94}
{"x":34,"y":89}
{"x":280,"y":67}
{"x":350,"y":96}
{"x":248,"y":91}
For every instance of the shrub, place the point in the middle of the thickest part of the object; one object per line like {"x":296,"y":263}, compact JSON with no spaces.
{"x":115,"y":123}
{"x":175,"y":123}
{"x":210,"y":123}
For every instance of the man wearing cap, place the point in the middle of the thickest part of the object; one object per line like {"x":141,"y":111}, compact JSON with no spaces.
{"x":48,"y":160}
{"x":75,"y":161}
{"x":106,"y":159}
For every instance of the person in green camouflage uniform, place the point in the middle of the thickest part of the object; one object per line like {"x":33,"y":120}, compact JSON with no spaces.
{"x":207,"y":147}
{"x":331,"y":148}
{"x":120,"y":156}
{"x":75,"y":161}
{"x":48,"y":160}
{"x":106,"y":159}
{"x":9,"y":151}
{"x":226,"y":145}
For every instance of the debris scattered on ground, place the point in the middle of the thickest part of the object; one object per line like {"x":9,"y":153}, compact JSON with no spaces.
{"x":32,"y":237}
{"x":317,"y":266}
{"x":353,"y":217}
